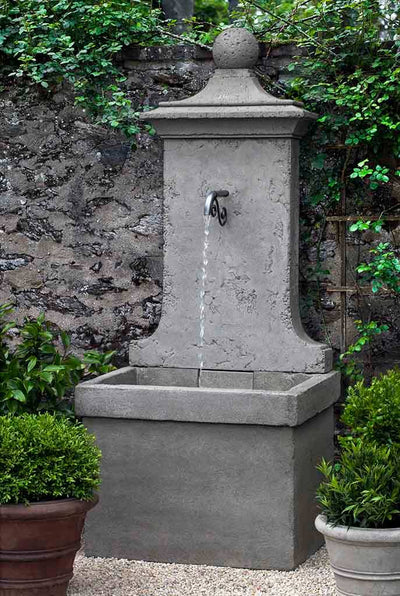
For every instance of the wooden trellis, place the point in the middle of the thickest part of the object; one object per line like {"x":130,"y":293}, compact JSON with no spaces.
{"x":344,"y":289}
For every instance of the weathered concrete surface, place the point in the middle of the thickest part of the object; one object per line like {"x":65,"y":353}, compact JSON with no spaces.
{"x":364,"y":561}
{"x":217,"y":494}
{"x":232,"y":135}
{"x":222,"y":379}
{"x":206,"y":475}
{"x":112,"y":396}
{"x":235,"y":48}
{"x":251,"y":293}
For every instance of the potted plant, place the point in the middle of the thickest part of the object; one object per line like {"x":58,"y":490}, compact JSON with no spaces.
{"x":49,"y":473}
{"x":360,"y":494}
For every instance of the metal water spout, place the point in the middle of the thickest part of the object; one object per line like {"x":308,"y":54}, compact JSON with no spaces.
{"x":212,"y":207}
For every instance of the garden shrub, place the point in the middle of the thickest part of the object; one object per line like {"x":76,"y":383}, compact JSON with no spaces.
{"x":37,"y":373}
{"x":44,"y":457}
{"x":362,"y":489}
{"x":347,"y":363}
{"x":373,"y":412}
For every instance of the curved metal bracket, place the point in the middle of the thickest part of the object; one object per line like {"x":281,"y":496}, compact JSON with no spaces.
{"x":213,"y":208}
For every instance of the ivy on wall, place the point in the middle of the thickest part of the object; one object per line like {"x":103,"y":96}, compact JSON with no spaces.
{"x":50,"y":41}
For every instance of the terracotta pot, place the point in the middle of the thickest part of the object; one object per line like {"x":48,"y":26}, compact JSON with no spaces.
{"x":365,"y":561}
{"x":38,"y":544}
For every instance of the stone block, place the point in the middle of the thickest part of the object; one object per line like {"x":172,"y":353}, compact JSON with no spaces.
{"x":107,"y":397}
{"x":122,"y":376}
{"x":177,"y":377}
{"x":223,"y":379}
{"x":212,"y":476}
{"x":213,"y":494}
{"x":275,"y":381}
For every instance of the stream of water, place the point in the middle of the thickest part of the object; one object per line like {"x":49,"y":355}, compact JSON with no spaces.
{"x":207,"y":219}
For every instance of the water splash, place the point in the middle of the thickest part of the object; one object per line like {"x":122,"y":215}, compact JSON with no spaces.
{"x":204,"y":265}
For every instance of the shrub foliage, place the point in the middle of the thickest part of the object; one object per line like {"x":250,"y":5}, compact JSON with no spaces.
{"x":37,"y":373}
{"x":362,"y":488}
{"x":44,"y":457}
{"x":373,"y":412}
{"x":50,"y":41}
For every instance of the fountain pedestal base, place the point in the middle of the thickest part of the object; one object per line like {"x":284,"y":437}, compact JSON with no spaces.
{"x":208,"y":475}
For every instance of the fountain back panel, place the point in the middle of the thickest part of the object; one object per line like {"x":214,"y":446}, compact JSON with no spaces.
{"x":211,"y":437}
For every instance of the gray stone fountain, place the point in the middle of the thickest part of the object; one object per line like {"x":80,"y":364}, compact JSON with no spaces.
{"x":211,"y":436}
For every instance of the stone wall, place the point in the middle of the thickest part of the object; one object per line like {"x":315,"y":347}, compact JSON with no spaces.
{"x":80,"y":211}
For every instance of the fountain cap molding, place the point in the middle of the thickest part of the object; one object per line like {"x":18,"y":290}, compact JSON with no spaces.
{"x":233,"y":103}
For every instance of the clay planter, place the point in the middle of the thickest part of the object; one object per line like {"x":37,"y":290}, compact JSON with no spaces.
{"x":365,"y":561}
{"x":38,"y":544}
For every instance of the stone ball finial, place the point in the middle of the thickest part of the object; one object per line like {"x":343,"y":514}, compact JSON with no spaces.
{"x":235,"y":48}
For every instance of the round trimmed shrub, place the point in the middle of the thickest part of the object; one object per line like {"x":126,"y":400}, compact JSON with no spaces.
{"x":45,"y":457}
{"x":373,"y":412}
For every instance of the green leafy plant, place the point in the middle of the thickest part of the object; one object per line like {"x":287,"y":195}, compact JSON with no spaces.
{"x":383,"y":270}
{"x":50,"y":41}
{"x":44,"y":457}
{"x":37,"y":373}
{"x":343,"y":77}
{"x":376,"y":176}
{"x":362,"y":489}
{"x":210,"y":14}
{"x":348,"y":364}
{"x":373,"y":412}
{"x":362,"y":226}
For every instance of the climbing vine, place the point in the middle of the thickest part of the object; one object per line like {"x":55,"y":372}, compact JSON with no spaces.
{"x":47,"y":42}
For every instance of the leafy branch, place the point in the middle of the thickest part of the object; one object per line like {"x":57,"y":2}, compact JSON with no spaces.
{"x":37,"y":374}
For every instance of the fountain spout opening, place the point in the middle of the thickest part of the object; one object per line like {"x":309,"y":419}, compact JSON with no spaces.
{"x":212,"y":207}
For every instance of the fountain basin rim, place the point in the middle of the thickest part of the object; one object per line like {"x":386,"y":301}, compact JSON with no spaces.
{"x":106,"y":398}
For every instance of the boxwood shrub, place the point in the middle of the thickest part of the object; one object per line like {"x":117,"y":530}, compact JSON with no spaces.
{"x":46,"y":457}
{"x":373,"y":411}
{"x":362,"y":487}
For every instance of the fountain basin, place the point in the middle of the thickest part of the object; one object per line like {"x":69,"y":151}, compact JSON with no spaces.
{"x":208,"y":467}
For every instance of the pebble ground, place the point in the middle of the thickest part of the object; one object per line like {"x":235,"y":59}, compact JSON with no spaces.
{"x":119,"y":577}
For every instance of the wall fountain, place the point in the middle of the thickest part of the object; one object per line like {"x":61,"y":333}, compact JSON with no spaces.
{"x":211,"y":436}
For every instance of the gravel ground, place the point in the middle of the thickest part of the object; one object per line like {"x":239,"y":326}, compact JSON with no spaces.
{"x":119,"y":577}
